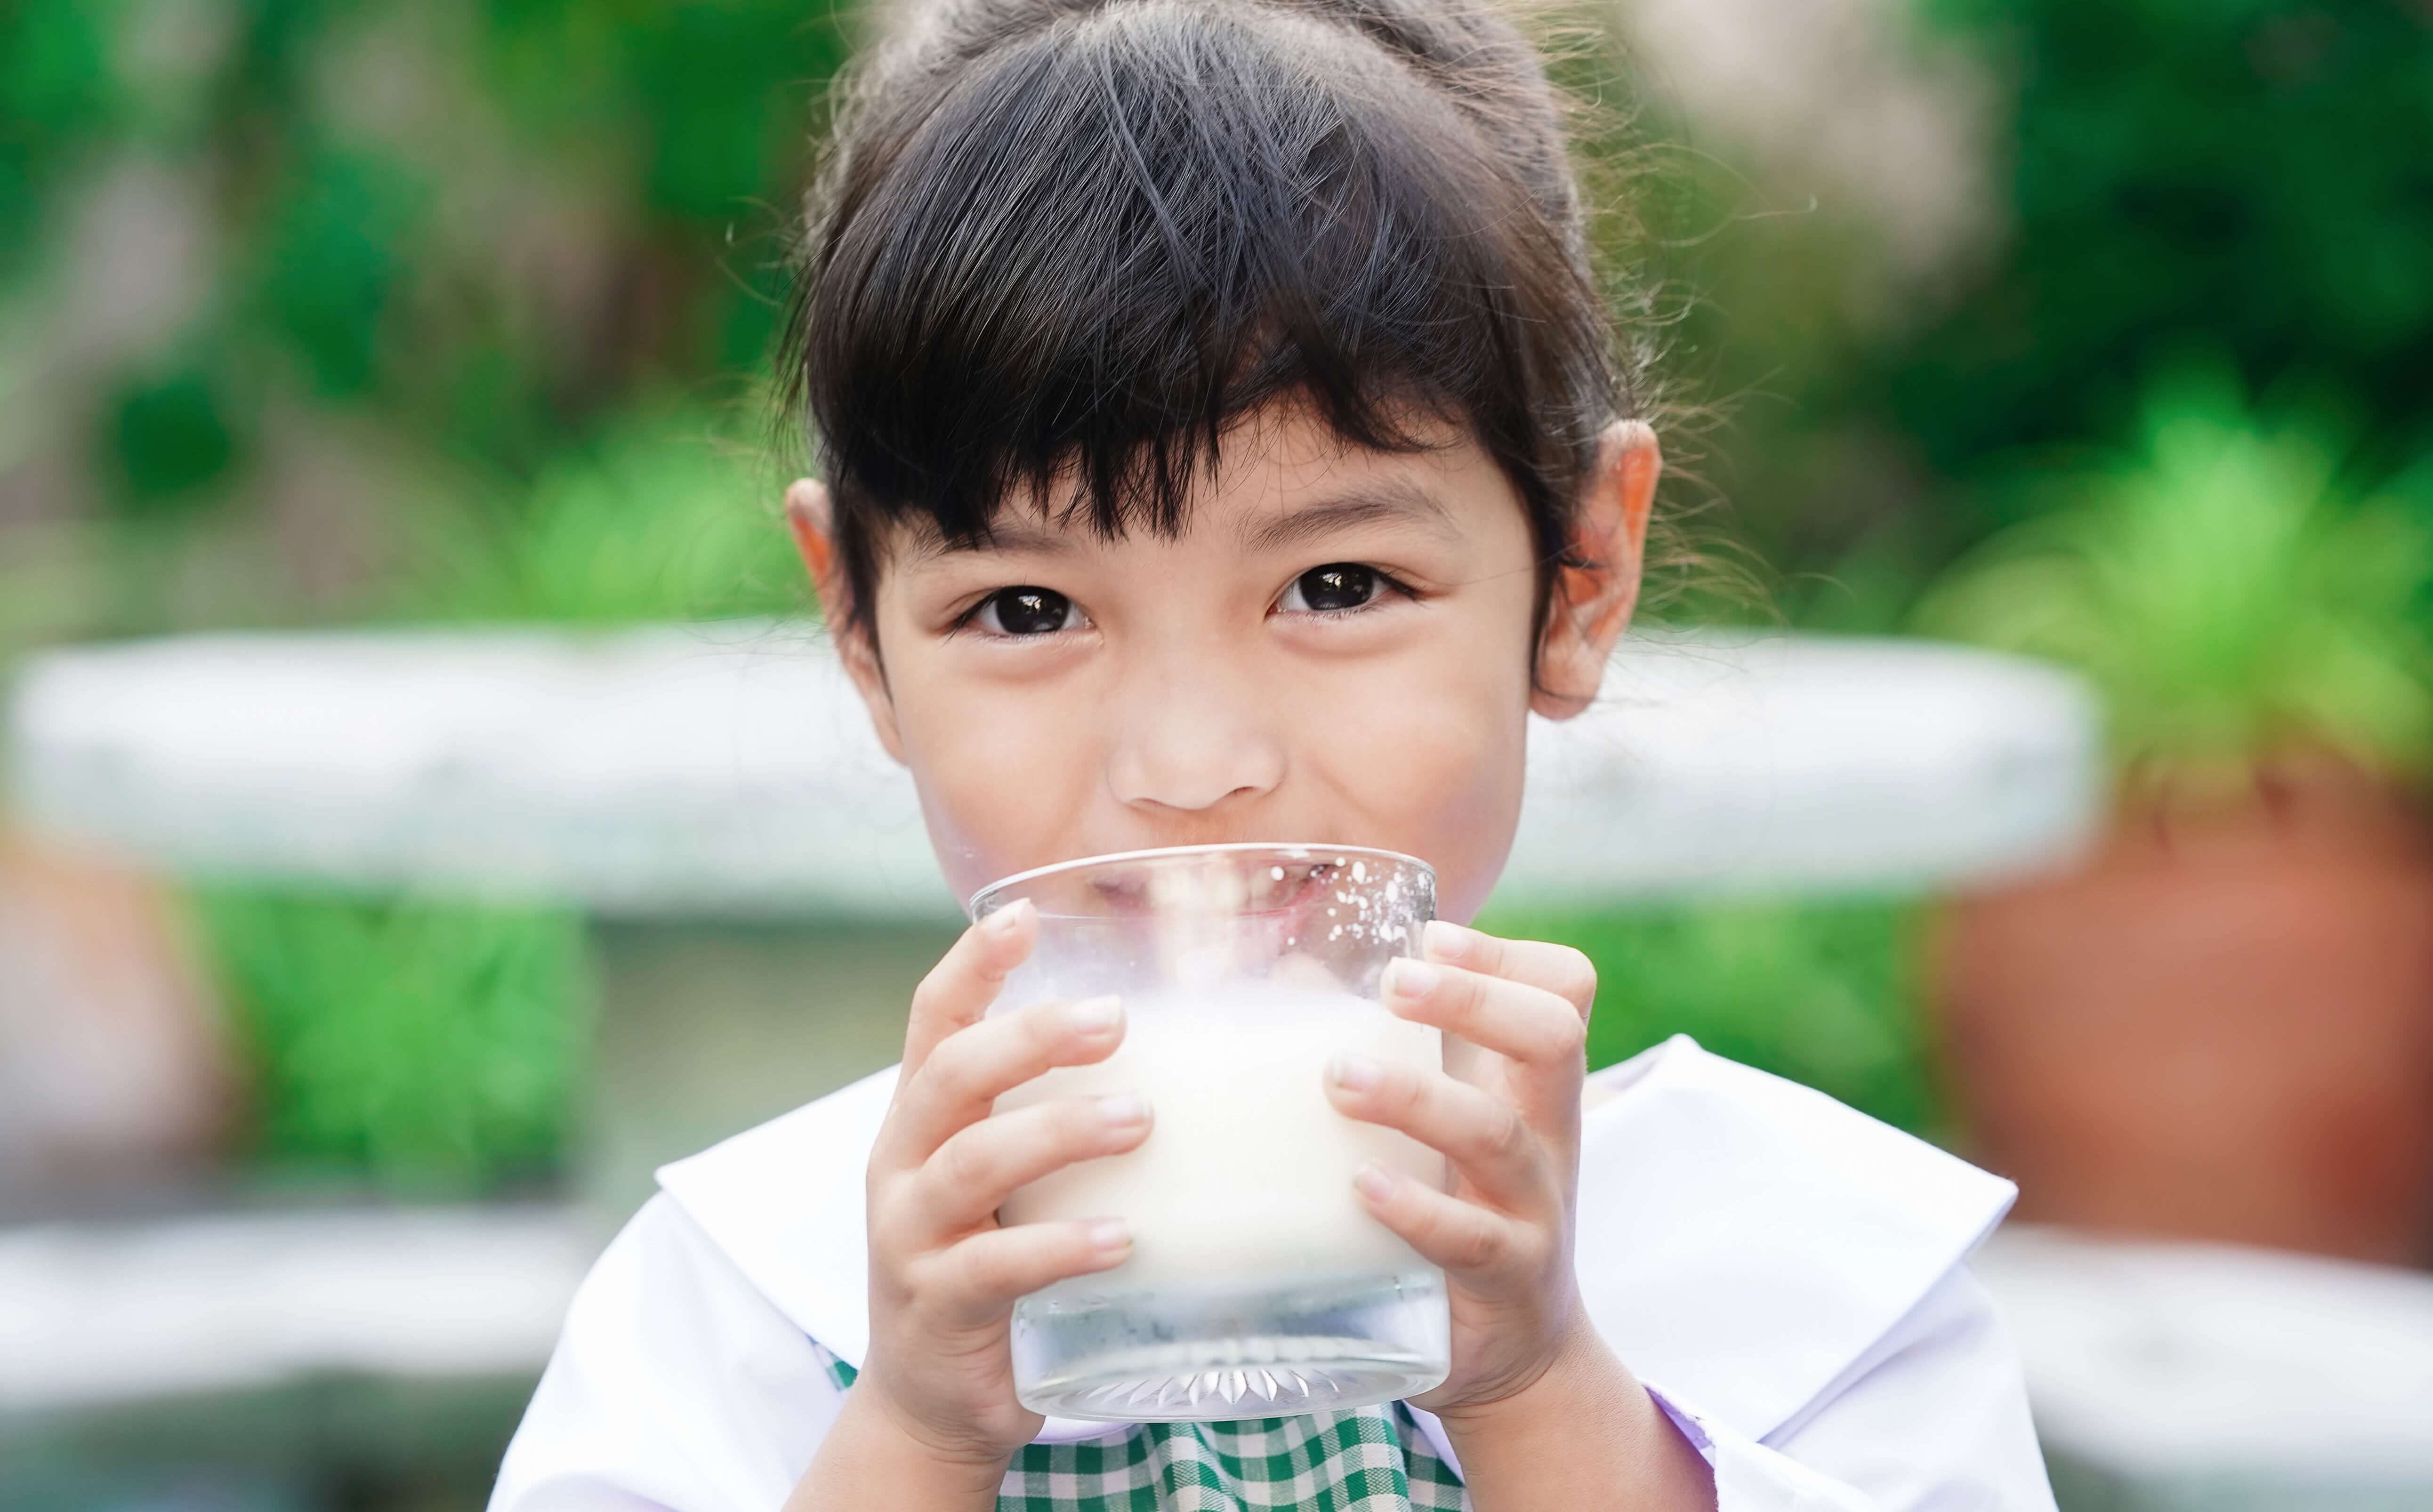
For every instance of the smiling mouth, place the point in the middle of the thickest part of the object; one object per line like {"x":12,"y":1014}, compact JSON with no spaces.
{"x":1283,"y":886}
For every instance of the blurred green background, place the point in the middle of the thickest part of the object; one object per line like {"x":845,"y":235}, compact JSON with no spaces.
{"x":324,"y":313}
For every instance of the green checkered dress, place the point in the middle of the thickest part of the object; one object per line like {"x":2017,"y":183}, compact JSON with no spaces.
{"x":1373,"y":1459}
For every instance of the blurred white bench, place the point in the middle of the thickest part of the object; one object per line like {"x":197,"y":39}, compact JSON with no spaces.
{"x":727,"y":771}
{"x":2213,"y":1378}
{"x":94,"y":1314}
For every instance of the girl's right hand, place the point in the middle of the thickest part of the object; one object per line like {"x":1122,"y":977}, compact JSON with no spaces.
{"x":944,"y":1274}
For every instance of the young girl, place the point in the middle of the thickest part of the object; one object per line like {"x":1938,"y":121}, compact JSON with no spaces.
{"x":1224,"y":439}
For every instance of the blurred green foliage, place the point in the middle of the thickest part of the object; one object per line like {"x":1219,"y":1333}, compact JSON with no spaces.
{"x":673,"y":516}
{"x":1825,"y":994}
{"x":2253,"y":173}
{"x":438,"y":1048}
{"x":170,"y":436}
{"x":2245,"y":177}
{"x":2222,"y":587}
{"x":501,"y":225}
{"x":280,"y":277}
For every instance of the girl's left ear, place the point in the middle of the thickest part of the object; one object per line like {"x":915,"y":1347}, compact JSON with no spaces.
{"x":1592,"y":600}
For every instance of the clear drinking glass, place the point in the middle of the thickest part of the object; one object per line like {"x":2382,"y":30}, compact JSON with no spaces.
{"x":1257,"y":1286}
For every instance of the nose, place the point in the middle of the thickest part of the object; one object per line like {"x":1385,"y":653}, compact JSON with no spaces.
{"x":1193,"y":738}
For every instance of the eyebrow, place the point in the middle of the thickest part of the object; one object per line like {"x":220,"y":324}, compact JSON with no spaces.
{"x":1393,"y":502}
{"x":1015,"y":535}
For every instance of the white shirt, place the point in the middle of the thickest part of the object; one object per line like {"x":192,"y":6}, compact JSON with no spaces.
{"x":1785,"y":1274}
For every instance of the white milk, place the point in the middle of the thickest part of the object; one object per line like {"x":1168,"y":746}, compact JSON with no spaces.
{"x":1246,"y":1170}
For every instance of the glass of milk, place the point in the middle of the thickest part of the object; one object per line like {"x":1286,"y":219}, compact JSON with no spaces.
{"x":1257,"y":1286}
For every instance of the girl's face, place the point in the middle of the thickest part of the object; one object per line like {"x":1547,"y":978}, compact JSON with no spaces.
{"x":1337,"y":649}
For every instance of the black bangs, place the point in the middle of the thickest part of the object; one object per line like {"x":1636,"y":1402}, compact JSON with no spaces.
{"x":1065,"y":273}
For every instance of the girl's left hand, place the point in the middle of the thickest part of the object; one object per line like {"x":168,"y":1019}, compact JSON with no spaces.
{"x":1506,"y":1114}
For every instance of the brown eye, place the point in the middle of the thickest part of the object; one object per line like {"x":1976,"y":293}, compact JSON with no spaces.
{"x":1025,"y":611}
{"x":1334,"y":587}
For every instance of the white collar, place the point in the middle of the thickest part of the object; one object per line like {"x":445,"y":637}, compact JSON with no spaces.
{"x":1743,"y":1239}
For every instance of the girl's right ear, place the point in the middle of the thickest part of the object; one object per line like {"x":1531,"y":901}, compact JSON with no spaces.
{"x":811,"y":516}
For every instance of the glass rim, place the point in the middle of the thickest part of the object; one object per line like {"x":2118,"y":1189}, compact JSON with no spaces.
{"x":1302,"y":849}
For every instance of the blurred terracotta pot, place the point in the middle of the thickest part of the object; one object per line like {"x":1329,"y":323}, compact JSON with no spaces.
{"x":117,"y":1074}
{"x":2221,"y":1026}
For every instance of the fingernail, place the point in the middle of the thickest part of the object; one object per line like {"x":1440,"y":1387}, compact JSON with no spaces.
{"x":1446,"y":940}
{"x":1375,"y":1182}
{"x":1108,"y":1235}
{"x":1405,"y":977}
{"x":1123,"y":1110}
{"x":1354,"y":1073}
{"x":1008,"y":919}
{"x":1096,"y":1015}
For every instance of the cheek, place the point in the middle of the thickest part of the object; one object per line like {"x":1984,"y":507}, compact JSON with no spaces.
{"x":1434,"y":757}
{"x":997,"y":792}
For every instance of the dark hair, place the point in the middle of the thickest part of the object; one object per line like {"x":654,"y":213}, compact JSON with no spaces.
{"x":1070,"y":242}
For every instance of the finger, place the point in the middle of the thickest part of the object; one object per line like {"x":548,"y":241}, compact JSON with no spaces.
{"x":959,"y":1083}
{"x":966,"y":978}
{"x":984,"y":1163}
{"x":1463,"y":1237}
{"x":1557,"y":969}
{"x":1484,"y":1136}
{"x":1515,"y":1020}
{"x":980,"y":1277}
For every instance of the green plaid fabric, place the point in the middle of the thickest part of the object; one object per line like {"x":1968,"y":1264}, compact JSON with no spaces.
{"x":1373,"y":1459}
